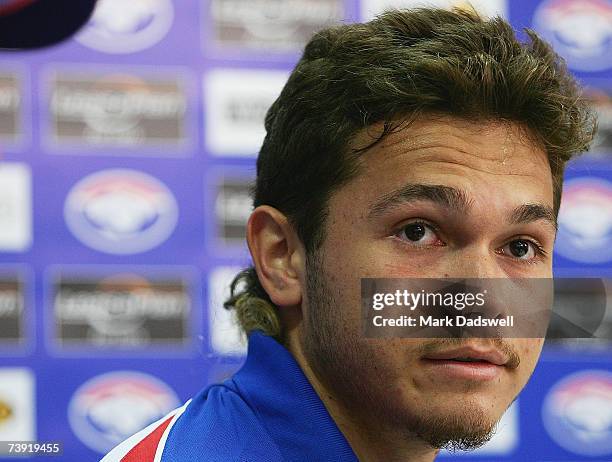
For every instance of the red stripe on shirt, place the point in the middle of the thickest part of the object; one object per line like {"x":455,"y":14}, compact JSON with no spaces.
{"x":145,"y":450}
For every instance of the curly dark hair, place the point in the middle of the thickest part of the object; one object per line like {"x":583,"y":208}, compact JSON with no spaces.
{"x":402,"y":64}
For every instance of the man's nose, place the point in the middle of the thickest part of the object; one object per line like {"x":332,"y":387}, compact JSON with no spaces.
{"x":479,"y":268}
{"x":475,"y":261}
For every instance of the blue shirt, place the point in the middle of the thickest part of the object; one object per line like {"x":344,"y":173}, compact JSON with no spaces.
{"x":268,"y":411}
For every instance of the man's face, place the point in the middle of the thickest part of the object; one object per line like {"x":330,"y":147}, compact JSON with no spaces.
{"x":457,"y":189}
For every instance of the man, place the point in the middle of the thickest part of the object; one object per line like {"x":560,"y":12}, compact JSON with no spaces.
{"x":425,"y":143}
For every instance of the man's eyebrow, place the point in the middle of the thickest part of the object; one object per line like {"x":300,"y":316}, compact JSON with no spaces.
{"x":456,"y":200}
{"x":445,"y":196}
{"x":529,"y":213}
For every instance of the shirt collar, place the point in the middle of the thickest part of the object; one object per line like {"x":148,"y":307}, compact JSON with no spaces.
{"x":275,"y":386}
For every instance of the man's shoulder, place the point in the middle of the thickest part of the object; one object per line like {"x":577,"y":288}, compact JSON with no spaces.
{"x":216,"y":425}
{"x":148,"y":442}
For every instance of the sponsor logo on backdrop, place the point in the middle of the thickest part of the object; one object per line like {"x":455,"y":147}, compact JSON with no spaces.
{"x":585,"y":221}
{"x":270,"y":25}
{"x":370,"y":8}
{"x":233,"y":206}
{"x":124,"y":309}
{"x":15,"y":207}
{"x":236,"y":102}
{"x":109,"y":408}
{"x":577,"y":413}
{"x":121,"y":211}
{"x":10,"y":107}
{"x":117,"y":26}
{"x":121,"y":109}
{"x":226,"y":337}
{"x":17,"y":405}
{"x":12,"y":310}
{"x":579,"y":30}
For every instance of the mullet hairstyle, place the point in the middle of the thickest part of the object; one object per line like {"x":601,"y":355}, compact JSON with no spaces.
{"x":402,"y":64}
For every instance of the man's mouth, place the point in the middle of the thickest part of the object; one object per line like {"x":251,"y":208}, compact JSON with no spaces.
{"x":467,"y":363}
{"x":471,"y":353}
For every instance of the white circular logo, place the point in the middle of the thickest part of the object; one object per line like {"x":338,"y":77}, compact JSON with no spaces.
{"x":119,"y":26}
{"x":577,"y":413}
{"x":585,"y":221}
{"x":121,"y":211}
{"x":111,"y":407}
{"x":579,"y":30}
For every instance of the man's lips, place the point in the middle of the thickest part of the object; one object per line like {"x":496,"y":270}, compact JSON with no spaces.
{"x":471,"y":354}
{"x":472,"y":363}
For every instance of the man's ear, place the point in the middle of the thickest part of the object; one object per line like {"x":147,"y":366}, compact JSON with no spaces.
{"x":277,"y":254}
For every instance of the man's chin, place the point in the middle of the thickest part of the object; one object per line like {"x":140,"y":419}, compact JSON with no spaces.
{"x":455,"y":429}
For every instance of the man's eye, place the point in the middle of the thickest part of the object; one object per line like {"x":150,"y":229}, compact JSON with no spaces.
{"x":419,"y":233}
{"x":521,"y":249}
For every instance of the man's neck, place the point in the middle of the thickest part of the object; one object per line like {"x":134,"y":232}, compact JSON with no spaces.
{"x":371,"y":440}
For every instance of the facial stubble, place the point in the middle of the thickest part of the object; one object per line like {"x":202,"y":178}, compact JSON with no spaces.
{"x":356,"y":374}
